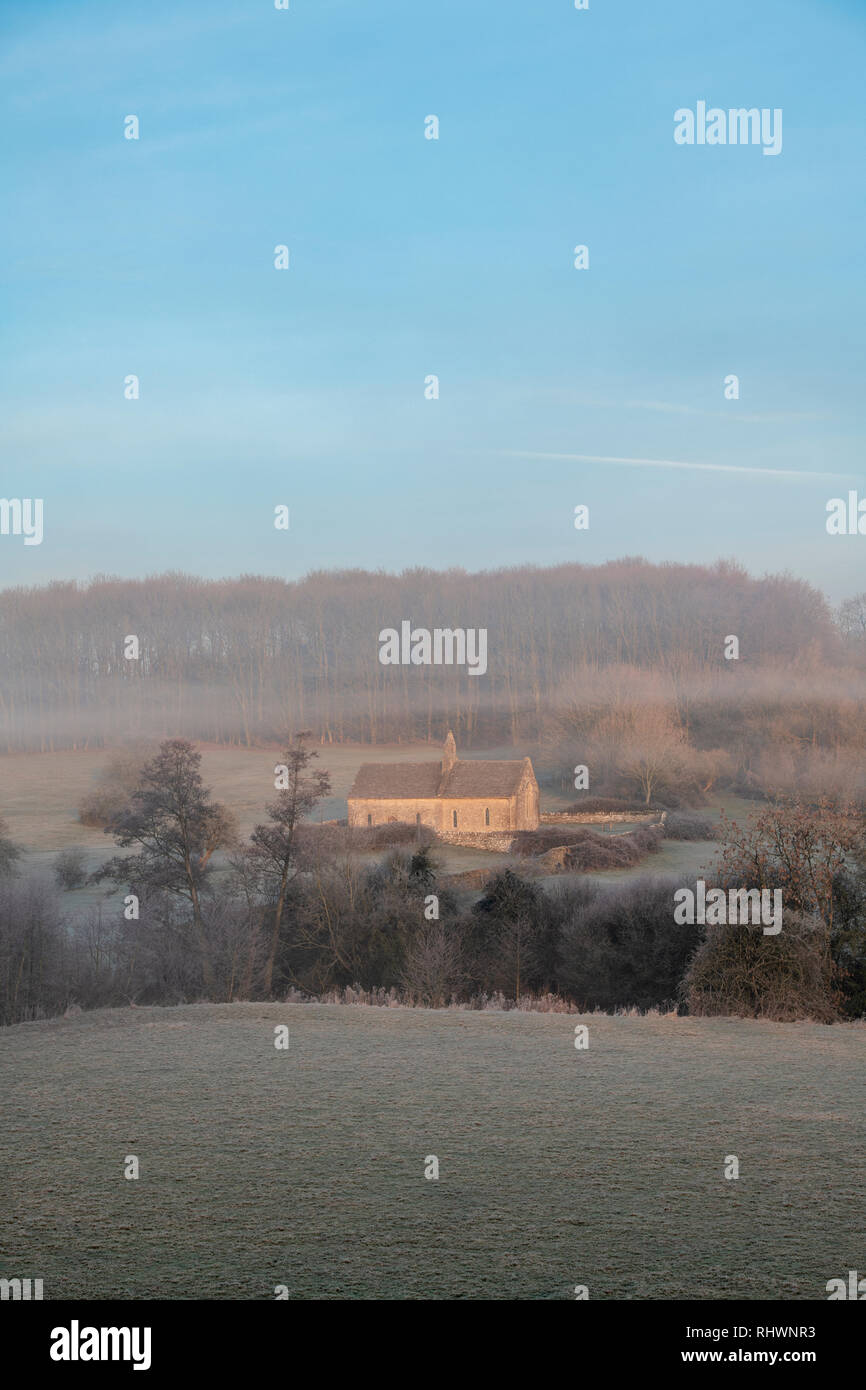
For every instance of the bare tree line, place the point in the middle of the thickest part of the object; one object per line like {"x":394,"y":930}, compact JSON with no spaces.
{"x":236,"y":661}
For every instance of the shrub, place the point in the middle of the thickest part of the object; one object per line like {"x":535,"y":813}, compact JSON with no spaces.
{"x":318,"y":842}
{"x":433,"y":970}
{"x":97,"y":807}
{"x":509,"y":938}
{"x":69,"y":869}
{"x":9,"y":852}
{"x":33,"y":948}
{"x":738,"y":970}
{"x":681,"y":825}
{"x":848,"y":940}
{"x":394,"y":833}
{"x":614,"y":851}
{"x":115,"y":785}
{"x":532,"y":842}
{"x":621,"y":948}
{"x":585,"y":849}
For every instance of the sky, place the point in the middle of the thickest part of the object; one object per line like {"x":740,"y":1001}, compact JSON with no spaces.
{"x":411,"y":257}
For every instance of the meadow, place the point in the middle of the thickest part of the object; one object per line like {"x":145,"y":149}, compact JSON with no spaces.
{"x":39,"y":796}
{"x":305,"y":1167}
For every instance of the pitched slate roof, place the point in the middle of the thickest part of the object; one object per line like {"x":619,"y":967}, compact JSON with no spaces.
{"x":483,"y":777}
{"x":397,"y":779}
{"x":478,"y":778}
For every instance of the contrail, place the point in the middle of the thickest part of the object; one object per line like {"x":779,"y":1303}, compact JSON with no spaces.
{"x":674,"y":463}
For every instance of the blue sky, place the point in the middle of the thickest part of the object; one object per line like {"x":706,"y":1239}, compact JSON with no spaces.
{"x":412,"y":256}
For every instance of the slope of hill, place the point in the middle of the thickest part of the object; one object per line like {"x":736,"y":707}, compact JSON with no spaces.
{"x":305,"y":1167}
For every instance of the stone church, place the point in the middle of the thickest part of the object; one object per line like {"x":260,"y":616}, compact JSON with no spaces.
{"x":452,"y":797}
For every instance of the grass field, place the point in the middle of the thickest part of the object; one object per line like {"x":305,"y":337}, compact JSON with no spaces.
{"x":305,"y":1167}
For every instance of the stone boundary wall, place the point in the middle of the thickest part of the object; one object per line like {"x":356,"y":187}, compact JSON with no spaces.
{"x":502,"y":841}
{"x":472,"y":878}
{"x":600,"y":817}
{"x":499,"y":841}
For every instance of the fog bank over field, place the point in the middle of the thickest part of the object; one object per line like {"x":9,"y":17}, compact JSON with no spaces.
{"x":244,"y":660}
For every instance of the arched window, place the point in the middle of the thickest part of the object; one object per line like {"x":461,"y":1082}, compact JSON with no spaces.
{"x":487,"y":815}
{"x":369,"y":820}
{"x":454,"y":819}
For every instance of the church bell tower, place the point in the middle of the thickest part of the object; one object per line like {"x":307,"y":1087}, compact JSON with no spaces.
{"x":449,"y":754}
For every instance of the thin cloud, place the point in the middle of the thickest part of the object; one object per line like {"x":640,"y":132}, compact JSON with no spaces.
{"x":674,"y":463}
{"x":766,"y":417}
{"x":667,"y":407}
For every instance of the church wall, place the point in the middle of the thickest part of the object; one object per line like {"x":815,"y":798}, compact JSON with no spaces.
{"x":471,"y":814}
{"x":527,"y":805}
{"x":385,"y":809}
{"x":437,"y":814}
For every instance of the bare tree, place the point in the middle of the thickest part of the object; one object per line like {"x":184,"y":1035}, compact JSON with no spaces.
{"x":433,"y":965}
{"x":273,"y":846}
{"x":852,"y":622}
{"x":651,"y":752}
{"x":799,"y":848}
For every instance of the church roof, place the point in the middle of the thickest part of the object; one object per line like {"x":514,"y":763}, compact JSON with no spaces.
{"x":397,"y":779}
{"x":478,"y":778}
{"x":483,"y":777}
